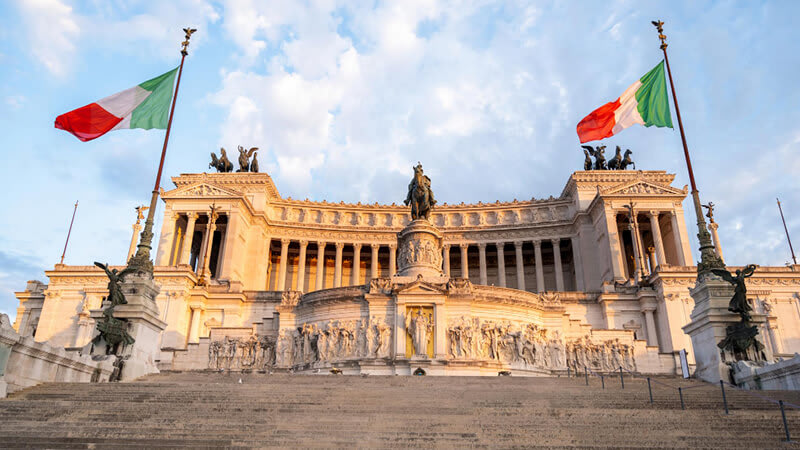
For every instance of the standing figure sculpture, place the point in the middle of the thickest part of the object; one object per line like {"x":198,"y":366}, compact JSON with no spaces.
{"x":115,"y":277}
{"x":599,"y":156}
{"x":419,"y":326}
{"x":738,"y":303}
{"x":244,"y":158}
{"x":420,"y":195}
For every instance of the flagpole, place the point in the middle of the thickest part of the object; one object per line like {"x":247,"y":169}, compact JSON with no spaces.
{"x":73,"y":221}
{"x":141,"y":260}
{"x":708,"y":257}
{"x":787,"y":231}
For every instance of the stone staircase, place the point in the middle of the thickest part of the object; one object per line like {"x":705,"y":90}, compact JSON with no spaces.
{"x":214,"y":410}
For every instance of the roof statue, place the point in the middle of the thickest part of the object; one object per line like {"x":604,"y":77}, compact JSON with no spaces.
{"x":244,"y":158}
{"x":223,"y":164}
{"x":618,"y":162}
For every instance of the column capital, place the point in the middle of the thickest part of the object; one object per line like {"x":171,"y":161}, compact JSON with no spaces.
{"x":653,"y":213}
{"x":392,"y":246}
{"x":321,"y":244}
{"x":285,"y":241}
{"x":357,"y":246}
{"x":464,"y":245}
{"x":175,"y":215}
{"x":192,"y":215}
{"x":303,"y":243}
{"x":482,"y":245}
{"x":556,"y":241}
{"x":375,"y":246}
{"x":518,"y":244}
{"x":500,"y":246}
{"x":446,"y":246}
{"x":339,"y":245}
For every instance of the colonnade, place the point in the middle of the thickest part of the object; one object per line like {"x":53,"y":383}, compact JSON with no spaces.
{"x":203,"y":253}
{"x":646,"y":252}
{"x":292,"y":257}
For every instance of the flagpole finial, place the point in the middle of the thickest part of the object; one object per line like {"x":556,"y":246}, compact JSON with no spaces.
{"x":660,"y":27}
{"x":188,"y":31}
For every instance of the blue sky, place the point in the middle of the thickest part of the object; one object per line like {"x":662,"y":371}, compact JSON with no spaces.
{"x":344,"y":97}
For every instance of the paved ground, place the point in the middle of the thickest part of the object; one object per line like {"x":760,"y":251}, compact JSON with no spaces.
{"x":215,"y":410}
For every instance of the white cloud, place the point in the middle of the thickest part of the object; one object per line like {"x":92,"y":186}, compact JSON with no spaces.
{"x":52,"y":31}
{"x":15,"y":101}
{"x":56,"y":32}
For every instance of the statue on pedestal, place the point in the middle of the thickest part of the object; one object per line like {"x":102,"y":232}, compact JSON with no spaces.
{"x":420,"y":195}
{"x":114,"y":331}
{"x":740,"y":338}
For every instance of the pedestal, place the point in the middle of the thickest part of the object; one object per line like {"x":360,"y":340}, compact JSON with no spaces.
{"x":144,"y":326}
{"x":708,"y":327}
{"x":419,"y":251}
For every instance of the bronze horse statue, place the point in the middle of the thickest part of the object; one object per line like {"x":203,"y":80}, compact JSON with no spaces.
{"x":223,"y":164}
{"x":420,"y":195}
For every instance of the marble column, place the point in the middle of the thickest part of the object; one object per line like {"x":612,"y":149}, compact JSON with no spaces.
{"x":537,"y":252}
{"x":714,"y":235}
{"x":284,"y":261}
{"x":655,"y":229}
{"x":355,"y":274}
{"x":676,"y":235}
{"x":520,"y":266}
{"x":446,"y":259}
{"x":464,"y":262}
{"x":186,"y":248}
{"x":337,"y":269}
{"x":320,"y":265}
{"x":559,"y":267}
{"x":194,"y":325}
{"x":173,"y":261}
{"x":202,"y":252}
{"x":617,"y":261}
{"x":373,"y":265}
{"x":167,"y":240}
{"x":651,"y":256}
{"x":301,"y":267}
{"x":212,"y":226}
{"x":501,"y":264}
{"x":637,"y":267}
{"x":652,"y":336}
{"x":482,"y":261}
{"x":392,"y":259}
{"x":578,"y":262}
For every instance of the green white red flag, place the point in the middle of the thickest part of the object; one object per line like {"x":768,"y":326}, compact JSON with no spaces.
{"x":645,"y":102}
{"x":143,"y":106}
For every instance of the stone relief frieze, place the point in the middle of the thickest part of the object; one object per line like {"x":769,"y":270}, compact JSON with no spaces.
{"x":507,"y":342}
{"x":333,"y":341}
{"x":253,"y":352}
{"x":605,"y":356}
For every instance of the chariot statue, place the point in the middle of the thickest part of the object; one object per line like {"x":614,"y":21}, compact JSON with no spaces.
{"x":223,"y":164}
{"x":420,"y":195}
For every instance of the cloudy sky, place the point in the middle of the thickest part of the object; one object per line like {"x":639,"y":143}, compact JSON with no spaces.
{"x":343,"y":97}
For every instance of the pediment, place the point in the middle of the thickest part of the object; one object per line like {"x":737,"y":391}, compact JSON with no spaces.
{"x":641,"y":187}
{"x":420,"y":287}
{"x":203,"y":190}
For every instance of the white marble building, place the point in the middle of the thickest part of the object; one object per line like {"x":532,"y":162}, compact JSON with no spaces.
{"x":531,"y":286}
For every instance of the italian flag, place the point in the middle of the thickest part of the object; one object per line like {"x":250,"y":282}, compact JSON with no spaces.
{"x":645,"y":102}
{"x":144,"y":106}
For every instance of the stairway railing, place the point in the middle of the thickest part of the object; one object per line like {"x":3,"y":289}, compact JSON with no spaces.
{"x":782,"y":405}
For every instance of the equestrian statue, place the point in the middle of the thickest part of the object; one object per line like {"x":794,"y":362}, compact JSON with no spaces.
{"x":420,"y":195}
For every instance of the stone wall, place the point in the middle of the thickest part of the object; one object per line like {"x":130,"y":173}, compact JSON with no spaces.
{"x":25,"y":362}
{"x":782,"y":375}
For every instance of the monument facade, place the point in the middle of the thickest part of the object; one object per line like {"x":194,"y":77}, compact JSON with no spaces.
{"x":596,"y":277}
